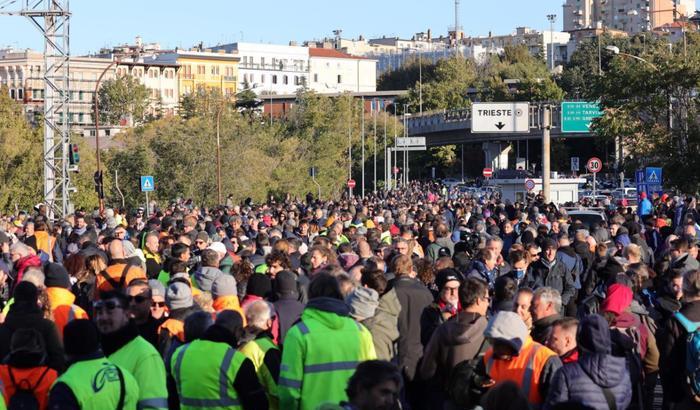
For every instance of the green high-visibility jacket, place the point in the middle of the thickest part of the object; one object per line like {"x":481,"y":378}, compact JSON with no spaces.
{"x":204,"y":373}
{"x":255,"y":350}
{"x":95,"y":385}
{"x":143,"y":361}
{"x":320,"y":354}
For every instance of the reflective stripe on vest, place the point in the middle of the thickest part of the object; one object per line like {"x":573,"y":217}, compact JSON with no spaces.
{"x":159,"y":403}
{"x":223,"y":399}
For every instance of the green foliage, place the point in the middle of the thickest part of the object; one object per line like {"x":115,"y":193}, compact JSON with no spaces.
{"x":446,"y":86}
{"x":122,"y":97}
{"x":516,"y":75}
{"x":638,"y":89}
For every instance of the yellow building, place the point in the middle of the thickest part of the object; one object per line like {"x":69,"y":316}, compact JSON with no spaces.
{"x":217,"y":70}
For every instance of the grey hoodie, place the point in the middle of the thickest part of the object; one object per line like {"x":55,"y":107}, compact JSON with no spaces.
{"x":205,"y":277}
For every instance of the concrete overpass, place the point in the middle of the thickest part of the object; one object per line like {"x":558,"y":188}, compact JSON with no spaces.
{"x":453,"y":127}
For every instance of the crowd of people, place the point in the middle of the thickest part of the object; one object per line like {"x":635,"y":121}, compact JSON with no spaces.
{"x":419,"y":298}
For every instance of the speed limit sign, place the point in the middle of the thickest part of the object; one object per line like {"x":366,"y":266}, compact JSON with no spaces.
{"x":594,"y":165}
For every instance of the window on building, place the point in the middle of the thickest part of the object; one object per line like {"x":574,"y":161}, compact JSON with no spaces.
{"x":245,"y":60}
{"x":262,"y":61}
{"x":285,"y":80}
{"x":81,"y":95}
{"x":340,"y":78}
{"x":201,"y":69}
{"x":262,"y":78}
{"x":315,"y":78}
{"x":296,"y":80}
{"x":274,"y":79}
{"x":20,"y":94}
{"x":252,"y":79}
{"x":215,"y":70}
{"x":81,"y":118}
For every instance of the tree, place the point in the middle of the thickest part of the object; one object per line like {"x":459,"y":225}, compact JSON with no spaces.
{"x":121,"y":98}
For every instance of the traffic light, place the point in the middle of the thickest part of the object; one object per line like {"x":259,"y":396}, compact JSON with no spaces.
{"x":99,"y":188}
{"x":73,"y":154}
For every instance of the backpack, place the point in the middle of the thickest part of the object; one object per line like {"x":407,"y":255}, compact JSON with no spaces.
{"x":692,"y":352}
{"x":464,"y":387}
{"x":24,"y":398}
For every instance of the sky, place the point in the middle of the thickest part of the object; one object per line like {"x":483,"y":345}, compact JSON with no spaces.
{"x":180,"y":23}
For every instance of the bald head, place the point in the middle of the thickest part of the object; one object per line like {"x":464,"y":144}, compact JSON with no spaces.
{"x":116,"y":249}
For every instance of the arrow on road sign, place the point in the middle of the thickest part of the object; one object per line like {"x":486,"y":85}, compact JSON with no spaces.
{"x":500,"y":125}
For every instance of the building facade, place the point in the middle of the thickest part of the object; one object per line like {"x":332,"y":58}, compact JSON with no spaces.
{"x":203,"y":69}
{"x":161,"y":79}
{"x":631,"y":16}
{"x":22,"y":72}
{"x":270,"y":68}
{"x":333,"y":71}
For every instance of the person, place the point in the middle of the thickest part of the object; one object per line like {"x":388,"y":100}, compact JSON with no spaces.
{"x":545,"y":308}
{"x":25,"y":313}
{"x":414,"y":297}
{"x":158,"y":309}
{"x":563,"y":339}
{"x":261,"y":349}
{"x":120,"y":271}
{"x":151,"y":251}
{"x":375,"y":385}
{"x":25,"y":367}
{"x":209,"y":371}
{"x":139,"y":302}
{"x":645,"y":207}
{"x":598,"y":380}
{"x":459,"y":339}
{"x":514,"y":356}
{"x":384,"y":324}
{"x":178,"y":298}
{"x":124,"y":347}
{"x":681,"y":260}
{"x":445,"y":306}
{"x":671,"y":338}
{"x":225,"y":294}
{"x":60,"y":297}
{"x":485,"y":267}
{"x":286,"y":304}
{"x":505,"y":396}
{"x":205,"y":276}
{"x":550,"y":271}
{"x":74,"y":389}
{"x":322,"y":349}
{"x":523,"y":301}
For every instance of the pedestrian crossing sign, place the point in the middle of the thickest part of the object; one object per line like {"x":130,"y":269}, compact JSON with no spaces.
{"x":147,"y":183}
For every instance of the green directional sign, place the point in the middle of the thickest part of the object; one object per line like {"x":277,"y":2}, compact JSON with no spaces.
{"x":577,"y":116}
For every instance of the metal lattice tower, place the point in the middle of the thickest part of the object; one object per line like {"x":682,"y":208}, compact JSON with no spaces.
{"x":52,"y":18}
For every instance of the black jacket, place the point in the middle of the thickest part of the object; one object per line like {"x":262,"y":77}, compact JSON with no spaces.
{"x":288,"y":309}
{"x":555,"y":276}
{"x":413,"y":297}
{"x":671,"y":340}
{"x":542,"y":328}
{"x":25,"y":315}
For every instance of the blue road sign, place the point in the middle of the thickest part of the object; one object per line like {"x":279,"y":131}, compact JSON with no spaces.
{"x":650,"y":180}
{"x":147,"y":183}
{"x":653,"y":176}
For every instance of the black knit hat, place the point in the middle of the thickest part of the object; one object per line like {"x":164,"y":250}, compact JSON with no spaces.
{"x":285,"y":283}
{"x":56,"y":276}
{"x":80,"y":337}
{"x":259,"y":285}
{"x":26,"y":292}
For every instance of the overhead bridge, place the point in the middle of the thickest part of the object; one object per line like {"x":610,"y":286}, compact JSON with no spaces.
{"x":450,"y":127}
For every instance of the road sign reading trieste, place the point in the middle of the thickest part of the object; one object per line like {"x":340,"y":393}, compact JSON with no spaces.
{"x":501,"y":117}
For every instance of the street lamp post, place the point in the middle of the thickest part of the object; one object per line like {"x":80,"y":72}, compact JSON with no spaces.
{"x":552,"y":19}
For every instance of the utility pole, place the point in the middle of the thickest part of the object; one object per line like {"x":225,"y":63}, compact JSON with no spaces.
{"x":350,"y":148}
{"x":396,"y":126}
{"x":376,"y":104}
{"x":546,"y":151}
{"x":385,"y":156}
{"x":362,"y":116}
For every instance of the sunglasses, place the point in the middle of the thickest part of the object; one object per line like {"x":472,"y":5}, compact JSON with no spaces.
{"x":138,"y":298}
{"x":108,"y":305}
{"x":158,"y":304}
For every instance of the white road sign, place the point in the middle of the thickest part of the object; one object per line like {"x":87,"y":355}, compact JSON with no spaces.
{"x":410,"y":142}
{"x":500,"y":117}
